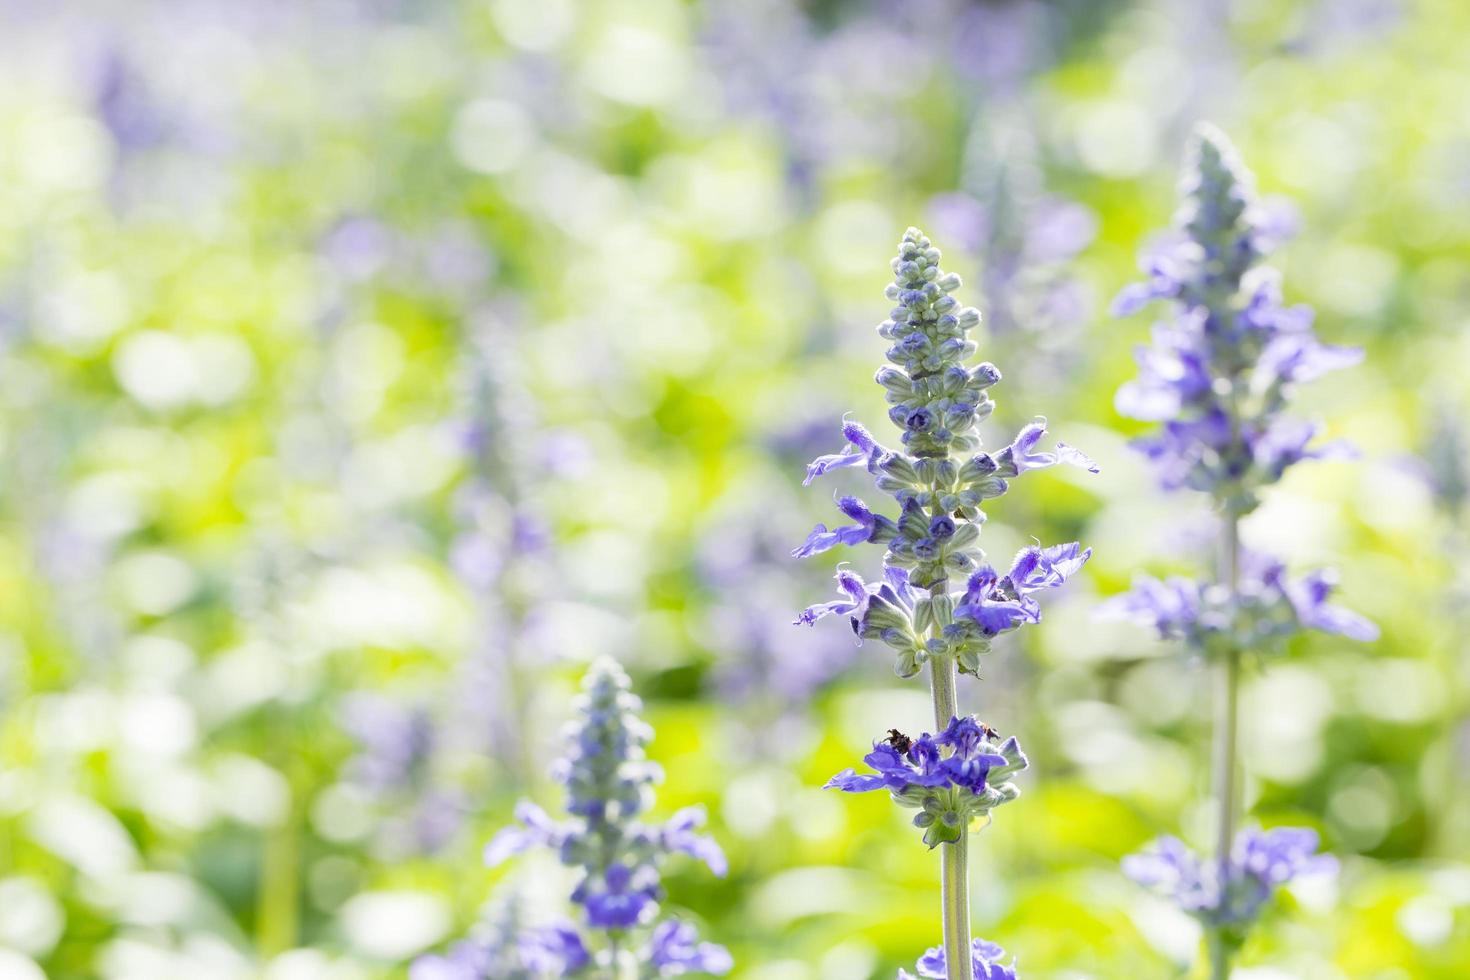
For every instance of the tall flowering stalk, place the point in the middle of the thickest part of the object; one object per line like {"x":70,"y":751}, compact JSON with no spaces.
{"x":1218,"y":377}
{"x":617,"y":856}
{"x":939,"y":478}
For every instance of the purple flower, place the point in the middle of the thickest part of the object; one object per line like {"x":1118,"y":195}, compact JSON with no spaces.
{"x":1308,"y":598}
{"x":1267,"y":607}
{"x":869,"y":527}
{"x":1021,"y":456}
{"x":1285,"y":443}
{"x":855,"y":594}
{"x":1218,"y":371}
{"x":1172,"y":607}
{"x":951,"y":778}
{"x":996,"y":605}
{"x":678,"y":836}
{"x":397,"y":741}
{"x":940,"y":480}
{"x":1260,"y":862}
{"x":537,"y":830}
{"x":465,"y":961}
{"x":1171,"y":375}
{"x":675,"y":949}
{"x":622,"y":898}
{"x":985,"y":956}
{"x":556,"y":950}
{"x":918,"y":765}
{"x":861,"y":449}
{"x":609,"y":786}
{"x":872,"y":607}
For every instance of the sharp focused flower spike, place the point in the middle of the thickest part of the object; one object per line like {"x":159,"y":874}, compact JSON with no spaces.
{"x":939,"y":479}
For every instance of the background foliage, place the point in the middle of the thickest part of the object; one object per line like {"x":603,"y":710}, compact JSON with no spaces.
{"x":369,"y":366}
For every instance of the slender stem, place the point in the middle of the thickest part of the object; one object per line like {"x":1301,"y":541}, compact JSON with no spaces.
{"x":278,"y":905}
{"x":942,"y":686}
{"x":955,"y":890}
{"x":954,"y":863}
{"x":1227,"y":698}
{"x":616,"y":968}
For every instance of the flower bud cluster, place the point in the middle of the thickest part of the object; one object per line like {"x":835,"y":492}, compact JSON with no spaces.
{"x":935,"y":401}
{"x":949,"y":789}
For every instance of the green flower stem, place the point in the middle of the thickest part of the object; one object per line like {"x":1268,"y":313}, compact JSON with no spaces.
{"x":954,"y":857}
{"x":1227,"y":698}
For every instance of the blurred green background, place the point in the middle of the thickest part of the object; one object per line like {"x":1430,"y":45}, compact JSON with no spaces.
{"x":367,"y":366}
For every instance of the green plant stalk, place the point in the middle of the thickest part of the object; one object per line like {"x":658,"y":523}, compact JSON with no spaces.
{"x":277,"y":909}
{"x":953,"y":857}
{"x":1227,"y":711}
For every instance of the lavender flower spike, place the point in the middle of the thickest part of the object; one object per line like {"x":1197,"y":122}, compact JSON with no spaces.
{"x":1220,"y":369}
{"x":1218,"y":377}
{"x":618,"y":856}
{"x":939,"y":477}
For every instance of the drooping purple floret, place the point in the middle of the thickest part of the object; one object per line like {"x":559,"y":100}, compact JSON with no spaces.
{"x":554,"y":950}
{"x":674,"y":949}
{"x":869,"y":527}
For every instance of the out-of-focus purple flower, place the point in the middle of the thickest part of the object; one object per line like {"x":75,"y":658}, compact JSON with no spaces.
{"x":674,"y":949}
{"x":1308,"y":599}
{"x":123,"y":104}
{"x":608,"y":782}
{"x":395,"y":739}
{"x":952,"y":777}
{"x":620,"y":897}
{"x":536,"y":829}
{"x":985,"y":956}
{"x":360,"y":247}
{"x":1266,"y":608}
{"x":678,"y":836}
{"x":1260,"y":862}
{"x":467,"y":960}
{"x":1220,"y":369}
{"x":553,"y":950}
